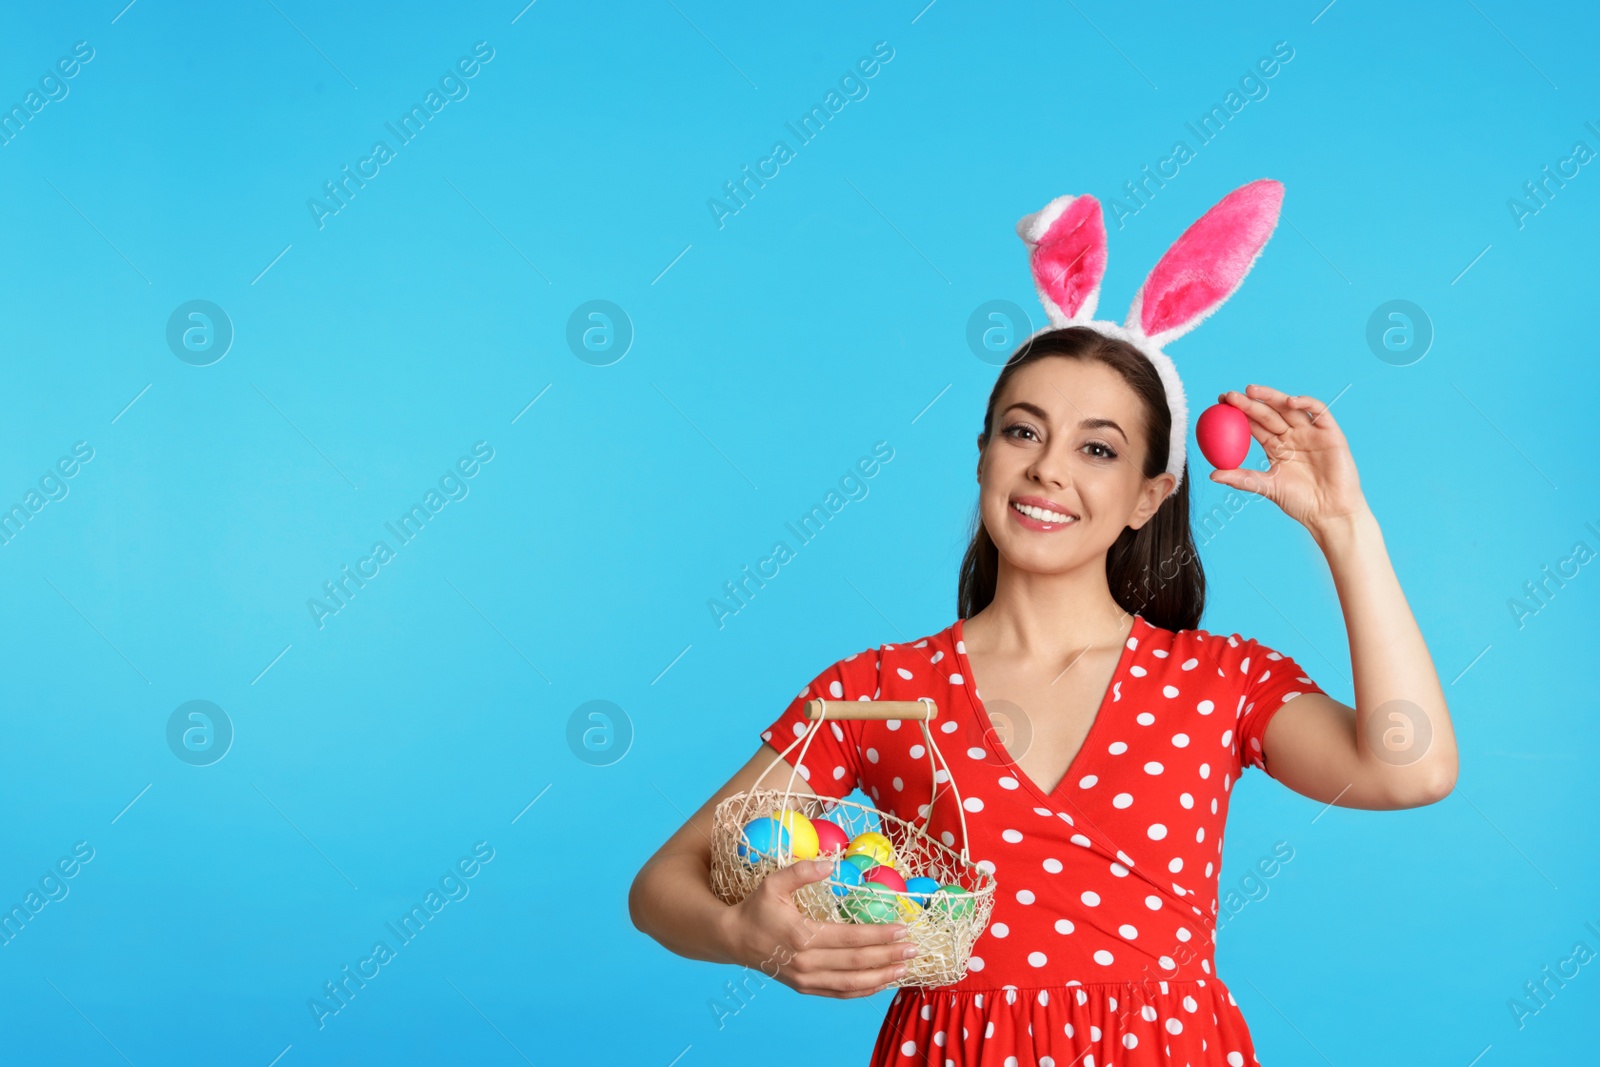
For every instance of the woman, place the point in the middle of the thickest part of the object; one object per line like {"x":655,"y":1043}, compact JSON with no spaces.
{"x":1100,"y":808}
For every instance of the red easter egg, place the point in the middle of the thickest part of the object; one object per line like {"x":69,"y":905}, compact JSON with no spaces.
{"x":1223,"y":433}
{"x":887,"y":877}
{"x":829,"y":836}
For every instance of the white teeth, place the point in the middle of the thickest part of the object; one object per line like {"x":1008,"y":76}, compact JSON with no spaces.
{"x":1041,"y":514}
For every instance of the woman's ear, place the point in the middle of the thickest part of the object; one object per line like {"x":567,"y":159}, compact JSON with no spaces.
{"x":1155,"y":493}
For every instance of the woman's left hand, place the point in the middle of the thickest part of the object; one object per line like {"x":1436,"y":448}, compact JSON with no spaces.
{"x":1312,"y":476}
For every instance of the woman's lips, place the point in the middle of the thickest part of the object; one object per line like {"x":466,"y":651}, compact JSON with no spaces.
{"x":1034,"y":522}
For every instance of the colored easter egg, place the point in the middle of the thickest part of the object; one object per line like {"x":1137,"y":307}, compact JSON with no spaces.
{"x":887,"y":877}
{"x":869,"y":907}
{"x":802,"y":834}
{"x":952,"y":900}
{"x":920,"y":889}
{"x":1223,"y":434}
{"x":872,"y":844}
{"x":762,"y":839}
{"x":861,"y":861}
{"x":848,"y":873}
{"x":830,"y":836}
{"x":909,"y":909}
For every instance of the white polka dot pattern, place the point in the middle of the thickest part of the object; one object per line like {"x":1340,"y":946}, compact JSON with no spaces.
{"x":1085,"y":901}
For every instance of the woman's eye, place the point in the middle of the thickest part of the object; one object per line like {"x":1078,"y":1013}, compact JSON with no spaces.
{"x":1022,"y":431}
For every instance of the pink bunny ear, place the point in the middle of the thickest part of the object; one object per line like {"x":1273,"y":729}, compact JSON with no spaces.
{"x":1067,"y":251}
{"x":1204,"y":266}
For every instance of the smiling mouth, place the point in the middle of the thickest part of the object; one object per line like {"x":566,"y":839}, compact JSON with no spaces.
{"x":1043,"y":514}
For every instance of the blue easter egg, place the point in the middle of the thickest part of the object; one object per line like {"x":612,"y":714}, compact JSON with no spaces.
{"x":763,"y":839}
{"x":919,"y":889}
{"x":848,"y":873}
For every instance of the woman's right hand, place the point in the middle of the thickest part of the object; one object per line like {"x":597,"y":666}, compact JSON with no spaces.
{"x":844,"y":960}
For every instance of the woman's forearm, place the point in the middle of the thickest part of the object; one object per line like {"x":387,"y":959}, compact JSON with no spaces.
{"x":671,"y":900}
{"x":1402,"y":720}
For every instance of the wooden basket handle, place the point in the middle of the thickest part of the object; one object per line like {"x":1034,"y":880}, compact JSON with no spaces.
{"x":915,"y":710}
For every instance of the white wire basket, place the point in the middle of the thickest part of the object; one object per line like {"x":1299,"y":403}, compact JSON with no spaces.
{"x":944,"y":926}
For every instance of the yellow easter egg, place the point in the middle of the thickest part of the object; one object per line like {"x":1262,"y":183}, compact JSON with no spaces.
{"x":908,"y":908}
{"x":802,"y":835}
{"x":872,"y":844}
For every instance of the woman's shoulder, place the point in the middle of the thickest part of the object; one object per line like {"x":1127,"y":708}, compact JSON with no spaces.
{"x":922,"y":666}
{"x":937,"y":646}
{"x":916,"y":662}
{"x":889,"y":662}
{"x":938,"y":643}
{"x":1199,"y":646}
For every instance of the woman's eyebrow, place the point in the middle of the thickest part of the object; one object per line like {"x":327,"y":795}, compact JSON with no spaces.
{"x":1087,"y":424}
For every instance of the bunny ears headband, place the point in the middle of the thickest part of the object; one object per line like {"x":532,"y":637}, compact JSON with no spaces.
{"x":1067,"y":252}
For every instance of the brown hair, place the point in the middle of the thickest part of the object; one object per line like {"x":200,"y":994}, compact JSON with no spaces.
{"x":1153,"y":571}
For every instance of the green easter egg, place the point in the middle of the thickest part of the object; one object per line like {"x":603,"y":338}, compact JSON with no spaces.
{"x":865,"y":862}
{"x":952,"y":900}
{"x":866,"y":906}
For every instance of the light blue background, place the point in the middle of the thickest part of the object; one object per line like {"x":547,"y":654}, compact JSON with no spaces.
{"x":826,"y":315}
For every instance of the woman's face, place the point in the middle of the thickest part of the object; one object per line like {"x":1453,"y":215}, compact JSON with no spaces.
{"x":1067,"y":445}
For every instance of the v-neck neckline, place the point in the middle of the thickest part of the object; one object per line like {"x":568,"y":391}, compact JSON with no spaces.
{"x":970,"y":686}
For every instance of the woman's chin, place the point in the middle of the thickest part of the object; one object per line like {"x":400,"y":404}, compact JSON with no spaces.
{"x":1042,"y":560}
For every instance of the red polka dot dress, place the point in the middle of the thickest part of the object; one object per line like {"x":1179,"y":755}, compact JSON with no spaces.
{"x":1099,"y":949}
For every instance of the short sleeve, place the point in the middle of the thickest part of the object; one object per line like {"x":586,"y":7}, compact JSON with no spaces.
{"x":1272,"y":679}
{"x":832,"y":765}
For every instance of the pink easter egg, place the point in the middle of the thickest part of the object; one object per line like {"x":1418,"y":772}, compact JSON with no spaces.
{"x":830,"y":836}
{"x":887,"y":877}
{"x":1223,"y":433}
